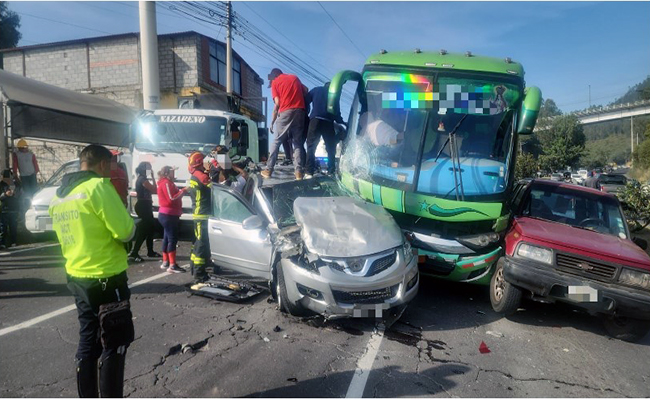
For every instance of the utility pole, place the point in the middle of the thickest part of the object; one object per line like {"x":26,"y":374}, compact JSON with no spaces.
{"x":229,"y":49}
{"x":589,"y":96}
{"x":149,"y":55}
{"x":632,"y":139}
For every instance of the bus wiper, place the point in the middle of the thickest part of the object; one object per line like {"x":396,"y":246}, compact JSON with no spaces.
{"x":455,"y":159}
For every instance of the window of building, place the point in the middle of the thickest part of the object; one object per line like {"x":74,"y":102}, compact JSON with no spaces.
{"x":218,"y":67}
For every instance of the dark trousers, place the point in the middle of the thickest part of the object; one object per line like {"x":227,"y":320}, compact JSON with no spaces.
{"x":170,"y":224}
{"x":318,"y":128}
{"x":201,"y":255}
{"x":145,"y":228}
{"x":9,"y":227}
{"x":89,"y":294}
{"x":30,"y":185}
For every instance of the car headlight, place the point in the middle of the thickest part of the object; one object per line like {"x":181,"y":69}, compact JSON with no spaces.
{"x":635,"y":278}
{"x":535,"y":253}
{"x":41,"y":207}
{"x":408,"y":252}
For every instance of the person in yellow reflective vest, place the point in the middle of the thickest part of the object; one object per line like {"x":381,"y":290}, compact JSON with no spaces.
{"x":91,"y":223}
{"x":201,"y":192}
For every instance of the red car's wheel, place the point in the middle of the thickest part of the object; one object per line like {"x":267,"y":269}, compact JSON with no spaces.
{"x":505,"y":298}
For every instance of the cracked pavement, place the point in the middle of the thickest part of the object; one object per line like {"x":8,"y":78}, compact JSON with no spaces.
{"x":191,"y":346}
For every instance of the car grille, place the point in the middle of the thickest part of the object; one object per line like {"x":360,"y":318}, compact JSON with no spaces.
{"x":585,"y":267}
{"x":366,"y":296}
{"x":382,"y":264}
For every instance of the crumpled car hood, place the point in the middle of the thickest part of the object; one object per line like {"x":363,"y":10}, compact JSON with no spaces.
{"x":345,"y":226}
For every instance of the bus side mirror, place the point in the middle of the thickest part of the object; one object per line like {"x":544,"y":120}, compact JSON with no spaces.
{"x":336,"y":87}
{"x":529,"y":110}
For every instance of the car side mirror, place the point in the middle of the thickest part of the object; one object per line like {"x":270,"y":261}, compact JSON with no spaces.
{"x":252,"y":222}
{"x":642,"y":243}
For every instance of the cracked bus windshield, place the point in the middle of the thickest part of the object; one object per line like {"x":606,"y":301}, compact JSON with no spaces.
{"x":174,"y":133}
{"x":417,"y":128}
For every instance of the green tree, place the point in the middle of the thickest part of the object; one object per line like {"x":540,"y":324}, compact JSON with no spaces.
{"x":563,"y":144}
{"x":549,"y":109}
{"x":526,"y":166}
{"x":9,"y":24}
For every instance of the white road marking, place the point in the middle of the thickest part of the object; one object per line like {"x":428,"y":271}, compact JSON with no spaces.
{"x":71,"y":307}
{"x":8,"y":253}
{"x":364,"y":366}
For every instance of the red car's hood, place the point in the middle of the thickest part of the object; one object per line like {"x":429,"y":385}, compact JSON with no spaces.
{"x":588,"y":243}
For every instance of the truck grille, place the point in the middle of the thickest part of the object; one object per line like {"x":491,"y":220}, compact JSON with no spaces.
{"x":367,"y":296}
{"x":382,"y":264}
{"x":585,"y":267}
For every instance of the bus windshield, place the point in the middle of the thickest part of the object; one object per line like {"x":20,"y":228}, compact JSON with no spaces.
{"x":179,"y":133}
{"x":441,"y":134}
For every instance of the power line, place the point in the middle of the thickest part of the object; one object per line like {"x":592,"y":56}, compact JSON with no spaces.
{"x":341,"y":29}
{"x":63,"y":23}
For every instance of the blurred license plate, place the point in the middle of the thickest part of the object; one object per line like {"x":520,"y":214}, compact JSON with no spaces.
{"x":583,"y":294}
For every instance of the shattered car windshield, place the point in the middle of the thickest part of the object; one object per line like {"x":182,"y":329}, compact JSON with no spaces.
{"x":180,"y":133}
{"x":284,"y":195}
{"x":404,"y":138}
{"x":576,"y":208}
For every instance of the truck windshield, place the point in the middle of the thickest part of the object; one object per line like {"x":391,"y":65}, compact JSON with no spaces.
{"x":180,"y":133}
{"x":439,"y":134}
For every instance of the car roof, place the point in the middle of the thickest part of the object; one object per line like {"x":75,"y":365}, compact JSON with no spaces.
{"x":571,"y":186}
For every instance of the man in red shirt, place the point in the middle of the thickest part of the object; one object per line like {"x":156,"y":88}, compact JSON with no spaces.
{"x":289,"y":97}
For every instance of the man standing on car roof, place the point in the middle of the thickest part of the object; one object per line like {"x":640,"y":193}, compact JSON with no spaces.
{"x":289,"y":111}
{"x":201,"y":193}
{"x":90,"y":223}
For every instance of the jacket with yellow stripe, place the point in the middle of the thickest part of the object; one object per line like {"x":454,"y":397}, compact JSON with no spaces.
{"x":201,"y":192}
{"x":91,"y":224}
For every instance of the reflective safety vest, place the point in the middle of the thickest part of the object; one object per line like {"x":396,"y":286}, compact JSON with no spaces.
{"x":201,"y":192}
{"x":91,"y":224}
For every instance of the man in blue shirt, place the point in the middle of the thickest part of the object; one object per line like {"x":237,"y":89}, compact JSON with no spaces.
{"x":321,"y":123}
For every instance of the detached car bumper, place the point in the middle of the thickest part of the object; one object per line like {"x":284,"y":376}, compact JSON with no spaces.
{"x":336,"y":294}
{"x":608,"y":298}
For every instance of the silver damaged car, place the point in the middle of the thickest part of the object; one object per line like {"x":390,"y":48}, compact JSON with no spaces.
{"x":321,"y":250}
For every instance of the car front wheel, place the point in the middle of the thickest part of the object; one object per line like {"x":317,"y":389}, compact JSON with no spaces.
{"x":505,"y":298}
{"x":626,"y":329}
{"x":284,"y":304}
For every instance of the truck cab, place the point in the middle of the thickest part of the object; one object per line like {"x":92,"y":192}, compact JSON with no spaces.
{"x":168,"y":137}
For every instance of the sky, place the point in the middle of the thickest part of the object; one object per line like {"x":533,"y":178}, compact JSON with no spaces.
{"x":572,"y":51}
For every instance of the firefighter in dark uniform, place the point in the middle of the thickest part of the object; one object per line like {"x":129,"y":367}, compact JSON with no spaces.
{"x":201,"y":192}
{"x":91,"y":224}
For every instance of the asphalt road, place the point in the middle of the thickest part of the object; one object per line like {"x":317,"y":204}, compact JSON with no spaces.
{"x":236,"y":349}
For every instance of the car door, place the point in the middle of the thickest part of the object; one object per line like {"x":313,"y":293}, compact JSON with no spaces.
{"x":244,"y":248}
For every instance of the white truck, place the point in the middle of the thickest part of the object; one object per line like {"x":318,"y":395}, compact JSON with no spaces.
{"x":168,"y":137}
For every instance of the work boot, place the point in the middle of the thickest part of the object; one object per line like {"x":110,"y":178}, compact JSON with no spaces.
{"x":87,"y":378}
{"x":266,"y":173}
{"x":299,"y":176}
{"x":111,"y":376}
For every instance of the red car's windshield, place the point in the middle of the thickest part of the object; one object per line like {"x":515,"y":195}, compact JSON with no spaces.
{"x":576,"y":208}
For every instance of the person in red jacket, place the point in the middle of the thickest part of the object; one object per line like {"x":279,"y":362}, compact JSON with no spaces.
{"x":169,"y":213}
{"x":119,"y":179}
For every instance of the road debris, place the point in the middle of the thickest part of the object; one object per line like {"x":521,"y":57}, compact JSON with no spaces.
{"x":480,"y":312}
{"x":566,"y":350}
{"x":483,"y":348}
{"x":277,"y":329}
{"x":494,"y":333}
{"x":267,"y":339}
{"x":294,"y":380}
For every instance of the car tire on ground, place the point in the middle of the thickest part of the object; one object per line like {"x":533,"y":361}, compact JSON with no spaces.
{"x":505,"y":298}
{"x":626,"y":329}
{"x":284,"y":304}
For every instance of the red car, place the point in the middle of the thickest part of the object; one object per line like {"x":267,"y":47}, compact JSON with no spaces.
{"x":571,"y":243}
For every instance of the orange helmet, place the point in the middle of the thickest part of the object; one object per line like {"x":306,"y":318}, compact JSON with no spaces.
{"x":195,"y":160}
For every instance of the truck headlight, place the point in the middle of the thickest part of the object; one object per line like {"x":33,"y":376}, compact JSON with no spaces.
{"x":408,"y":252}
{"x":535,"y":253}
{"x":635,"y":278}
